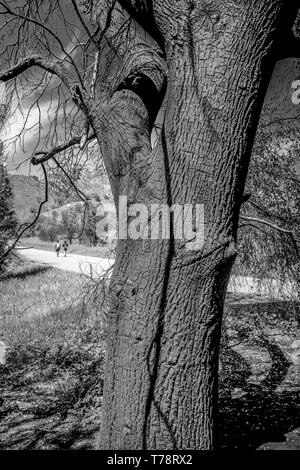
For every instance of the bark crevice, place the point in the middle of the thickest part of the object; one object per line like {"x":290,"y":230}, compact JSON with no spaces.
{"x":156,"y":341}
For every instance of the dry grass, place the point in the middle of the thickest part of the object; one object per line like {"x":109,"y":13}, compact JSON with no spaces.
{"x":51,"y":384}
{"x":52,"y":377}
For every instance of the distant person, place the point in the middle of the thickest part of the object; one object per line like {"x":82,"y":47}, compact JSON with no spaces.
{"x":57,"y":248}
{"x":65,"y":247}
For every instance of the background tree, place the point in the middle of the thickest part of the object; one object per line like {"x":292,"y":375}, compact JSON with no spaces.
{"x":49,"y":231}
{"x":167,"y":299}
{"x":73,"y":163}
{"x":90,"y":228}
{"x":8,"y":221}
{"x":72,"y":222}
{"x":270,"y":226}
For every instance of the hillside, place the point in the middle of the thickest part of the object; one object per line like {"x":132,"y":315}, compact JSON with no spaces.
{"x":28,"y":193}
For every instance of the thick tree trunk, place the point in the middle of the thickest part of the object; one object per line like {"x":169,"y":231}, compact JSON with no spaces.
{"x":167,"y":300}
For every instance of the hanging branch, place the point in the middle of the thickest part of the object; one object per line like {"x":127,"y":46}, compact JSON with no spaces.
{"x":54,"y":67}
{"x":95,"y":71}
{"x":108,"y":21}
{"x":49,"y":31}
{"x":269,"y":224}
{"x":253,"y":220}
{"x":79,"y":193}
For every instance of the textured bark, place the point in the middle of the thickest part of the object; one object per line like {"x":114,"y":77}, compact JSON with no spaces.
{"x":167,"y":301}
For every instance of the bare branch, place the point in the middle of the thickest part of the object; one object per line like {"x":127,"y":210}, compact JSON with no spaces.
{"x":79,"y":193}
{"x":269,"y":224}
{"x":108,"y":21}
{"x":91,"y":37}
{"x":56,"y":150}
{"x":253,"y":220}
{"x":49,"y":31}
{"x":95,"y":71}
{"x":55,"y":67}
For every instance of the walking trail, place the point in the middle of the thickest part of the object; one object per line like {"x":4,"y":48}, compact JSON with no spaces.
{"x":80,"y":264}
{"x":91,"y":265}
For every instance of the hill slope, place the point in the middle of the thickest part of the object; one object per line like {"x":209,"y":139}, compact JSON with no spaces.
{"x":28,"y":193}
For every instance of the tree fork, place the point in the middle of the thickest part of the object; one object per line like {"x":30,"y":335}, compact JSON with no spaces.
{"x":167,"y":301}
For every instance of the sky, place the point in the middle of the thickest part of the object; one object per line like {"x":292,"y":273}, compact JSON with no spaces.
{"x":37,"y":121}
{"x":279,"y":104}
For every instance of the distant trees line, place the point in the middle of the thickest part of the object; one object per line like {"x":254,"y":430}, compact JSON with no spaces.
{"x":8,"y":220}
{"x":75,"y":222}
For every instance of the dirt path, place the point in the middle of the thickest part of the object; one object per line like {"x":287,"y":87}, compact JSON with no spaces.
{"x":75,"y":263}
{"x":95,"y":266}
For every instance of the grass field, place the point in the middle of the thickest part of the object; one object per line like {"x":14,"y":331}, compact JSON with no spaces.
{"x":51,"y":380}
{"x":28,"y":193}
{"x":98,"y":251}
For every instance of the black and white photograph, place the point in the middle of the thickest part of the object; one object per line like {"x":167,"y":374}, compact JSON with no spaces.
{"x":149,"y":228}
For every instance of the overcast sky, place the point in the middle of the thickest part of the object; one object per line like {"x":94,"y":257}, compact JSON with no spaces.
{"x":38,"y":119}
{"x":278,"y":104}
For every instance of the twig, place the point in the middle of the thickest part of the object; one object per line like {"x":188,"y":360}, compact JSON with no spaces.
{"x":79,"y":193}
{"x":60,"y":148}
{"x":253,"y":220}
{"x":91,"y":37}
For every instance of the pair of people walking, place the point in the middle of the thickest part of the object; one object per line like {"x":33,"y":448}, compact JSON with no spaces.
{"x":58,"y":247}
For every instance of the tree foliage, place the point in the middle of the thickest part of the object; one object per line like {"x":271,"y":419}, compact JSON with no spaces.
{"x":270,"y":225}
{"x":90,"y":228}
{"x":49,"y":231}
{"x":8,"y":221}
{"x":72,"y":222}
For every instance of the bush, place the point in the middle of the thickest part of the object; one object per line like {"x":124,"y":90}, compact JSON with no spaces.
{"x":49,"y":232}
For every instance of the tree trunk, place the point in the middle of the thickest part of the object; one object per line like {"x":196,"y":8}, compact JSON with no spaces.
{"x":167,"y":299}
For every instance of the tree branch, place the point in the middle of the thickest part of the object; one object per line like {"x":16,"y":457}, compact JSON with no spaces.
{"x":49,"y":31}
{"x":60,"y":148}
{"x":55,"y":67}
{"x":79,"y":193}
{"x":108,"y":21}
{"x":91,"y":37}
{"x":269,"y":224}
{"x":253,"y":220}
{"x":95,"y":71}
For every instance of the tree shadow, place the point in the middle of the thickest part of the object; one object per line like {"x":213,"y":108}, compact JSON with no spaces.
{"x":282,"y":309}
{"x":23,"y":273}
{"x":260,"y":414}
